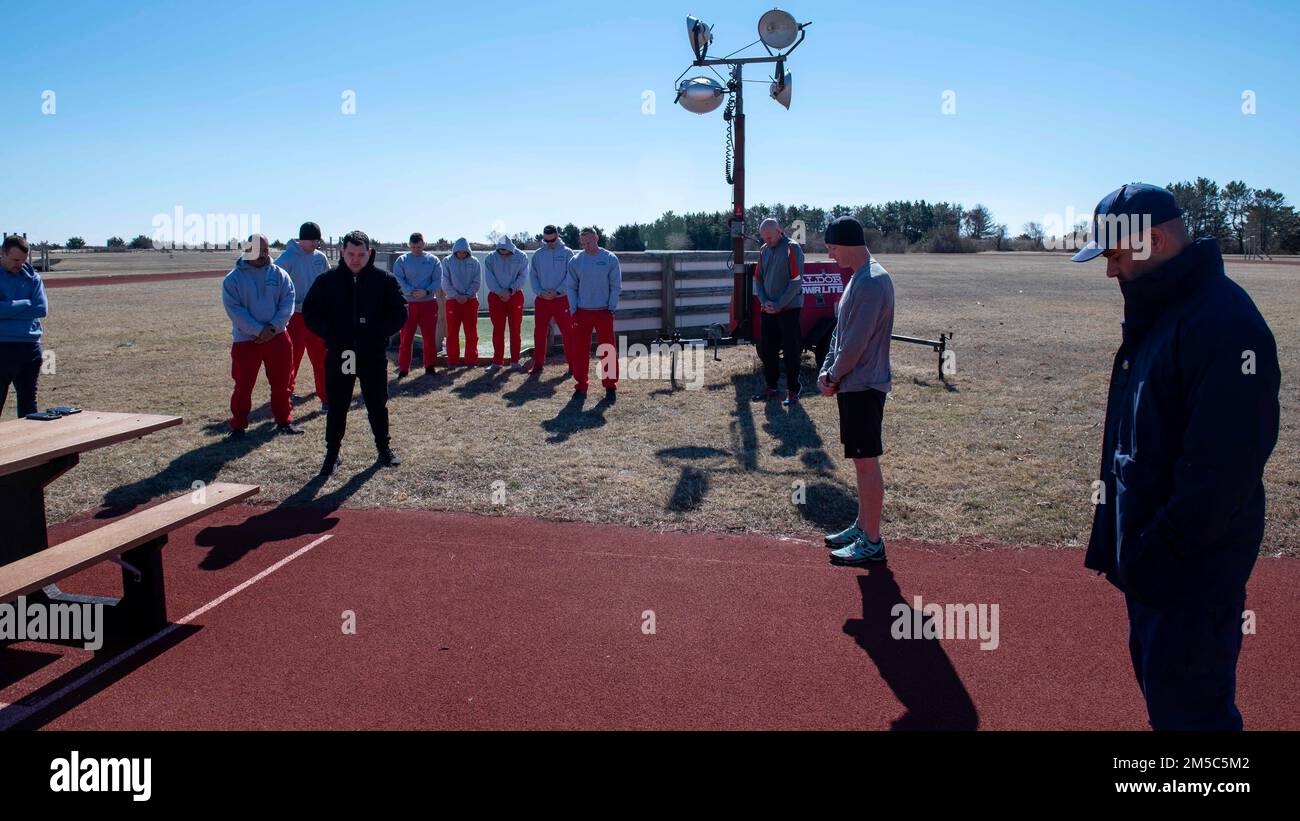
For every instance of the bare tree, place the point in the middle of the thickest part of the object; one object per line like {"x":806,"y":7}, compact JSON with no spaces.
{"x":1034,"y":231}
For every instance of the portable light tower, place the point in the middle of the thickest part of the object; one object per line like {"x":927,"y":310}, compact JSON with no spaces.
{"x":780,"y":34}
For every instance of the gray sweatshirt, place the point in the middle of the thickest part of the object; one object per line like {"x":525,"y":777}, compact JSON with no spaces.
{"x":859,"y":354}
{"x":775,"y":280}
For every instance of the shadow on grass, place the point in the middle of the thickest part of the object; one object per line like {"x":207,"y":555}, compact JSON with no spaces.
{"x":534,"y":388}
{"x":828,"y":506}
{"x":573,"y":419}
{"x":792,"y":429}
{"x":917,"y":670}
{"x":485,"y":382}
{"x":744,"y":433}
{"x":198,"y":465}
{"x":417,"y":383}
{"x":925,"y":383}
{"x":689,"y":492}
{"x":305,"y":513}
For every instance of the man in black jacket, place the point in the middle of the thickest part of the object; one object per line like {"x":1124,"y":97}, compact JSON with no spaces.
{"x":1191,"y":419}
{"x":355,"y":308}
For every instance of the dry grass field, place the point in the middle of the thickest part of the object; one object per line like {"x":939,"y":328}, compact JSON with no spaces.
{"x":1007,"y":455}
{"x":105,"y":263}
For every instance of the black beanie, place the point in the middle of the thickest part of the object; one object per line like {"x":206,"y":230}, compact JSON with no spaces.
{"x":845,"y":231}
{"x":309,"y":230}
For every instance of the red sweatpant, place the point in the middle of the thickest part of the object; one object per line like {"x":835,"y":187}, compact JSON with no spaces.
{"x":304,"y":341}
{"x":583,"y":323}
{"x":544,"y":310}
{"x":458,"y":314}
{"x":246,"y":359}
{"x":501,"y":310}
{"x":424,"y":315}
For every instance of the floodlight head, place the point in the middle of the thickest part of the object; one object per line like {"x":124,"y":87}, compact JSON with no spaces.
{"x":781,"y":88}
{"x":777,"y":29}
{"x":700,"y":35}
{"x":700,"y":95}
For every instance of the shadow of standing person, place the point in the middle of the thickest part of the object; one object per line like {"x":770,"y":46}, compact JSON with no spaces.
{"x":917,"y":670}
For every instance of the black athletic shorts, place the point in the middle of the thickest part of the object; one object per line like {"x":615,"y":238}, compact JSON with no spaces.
{"x":861,"y":415}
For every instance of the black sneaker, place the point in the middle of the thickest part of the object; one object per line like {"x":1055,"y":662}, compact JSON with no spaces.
{"x":235,"y":433}
{"x":430,"y":371}
{"x":770,"y":393}
{"x":401,"y":374}
{"x":389,"y":459}
{"x":792,"y":398}
{"x":324,"y":407}
{"x":289,"y":429}
{"x":331,"y":464}
{"x":611,"y":394}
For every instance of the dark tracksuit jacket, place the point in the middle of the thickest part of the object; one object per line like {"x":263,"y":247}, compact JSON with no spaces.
{"x":355,"y":314}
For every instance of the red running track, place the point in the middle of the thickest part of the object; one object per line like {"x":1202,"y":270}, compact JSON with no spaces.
{"x":127,"y":279}
{"x":466,"y":621}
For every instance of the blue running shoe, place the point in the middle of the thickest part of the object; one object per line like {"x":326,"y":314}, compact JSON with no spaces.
{"x":861,"y":552}
{"x":847,"y":536}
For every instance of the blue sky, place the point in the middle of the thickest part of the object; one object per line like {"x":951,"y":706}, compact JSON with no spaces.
{"x":470,"y":116}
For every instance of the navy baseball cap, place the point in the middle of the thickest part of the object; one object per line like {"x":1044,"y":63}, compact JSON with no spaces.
{"x":1137,"y":201}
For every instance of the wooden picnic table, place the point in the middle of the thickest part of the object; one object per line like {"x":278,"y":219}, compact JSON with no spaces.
{"x":33,"y":454}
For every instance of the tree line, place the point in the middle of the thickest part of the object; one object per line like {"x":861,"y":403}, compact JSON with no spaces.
{"x":894,"y":227}
{"x":1242,"y":218}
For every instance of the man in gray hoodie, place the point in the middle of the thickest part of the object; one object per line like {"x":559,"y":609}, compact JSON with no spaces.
{"x":258,"y":297}
{"x":778,"y":284}
{"x":462,"y":277}
{"x":504,"y":270}
{"x":303,"y":261}
{"x":420,"y":277}
{"x":856,"y":372}
{"x":593,"y":285}
{"x":548,"y":272}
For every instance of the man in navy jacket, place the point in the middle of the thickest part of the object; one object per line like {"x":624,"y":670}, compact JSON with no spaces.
{"x":1191,"y":419}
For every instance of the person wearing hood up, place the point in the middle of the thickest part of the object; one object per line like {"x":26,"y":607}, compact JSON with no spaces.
{"x":462,"y":276}
{"x":420,"y":277}
{"x":356,"y":308}
{"x":258,"y":296}
{"x":593,"y":285}
{"x":504,"y":270}
{"x":548,"y":271}
{"x":304,"y":261}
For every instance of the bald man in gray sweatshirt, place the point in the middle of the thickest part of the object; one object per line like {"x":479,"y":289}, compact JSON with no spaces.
{"x":856,"y":372}
{"x":778,"y":284}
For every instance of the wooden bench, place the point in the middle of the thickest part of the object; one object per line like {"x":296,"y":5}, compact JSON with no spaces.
{"x":136,"y":542}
